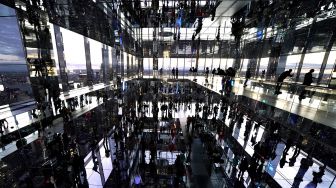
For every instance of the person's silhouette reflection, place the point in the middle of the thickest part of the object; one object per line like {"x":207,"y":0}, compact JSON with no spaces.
{"x":296,"y":153}
{"x":283,"y":160}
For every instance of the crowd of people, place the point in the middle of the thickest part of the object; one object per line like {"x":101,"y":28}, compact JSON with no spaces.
{"x":211,"y":113}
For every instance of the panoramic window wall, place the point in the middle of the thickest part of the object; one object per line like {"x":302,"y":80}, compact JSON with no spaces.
{"x":312,"y":61}
{"x":292,"y":62}
{"x":263,"y":65}
{"x":184,"y":64}
{"x":96,"y":61}
{"x":74,"y":55}
{"x":329,"y":68}
{"x":14,"y":75}
{"x":148,"y":66}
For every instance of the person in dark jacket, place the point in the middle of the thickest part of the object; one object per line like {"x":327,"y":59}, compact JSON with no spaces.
{"x":305,"y":164}
{"x":173,"y":72}
{"x":207,"y":72}
{"x":243,"y":166}
{"x":247,"y":76}
{"x":308,"y":80}
{"x":280,"y":80}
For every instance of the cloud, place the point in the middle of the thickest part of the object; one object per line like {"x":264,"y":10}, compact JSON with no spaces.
{"x":11,"y":46}
{"x":4,"y":57}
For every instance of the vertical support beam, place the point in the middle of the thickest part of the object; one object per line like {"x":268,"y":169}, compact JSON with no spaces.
{"x":273,"y":61}
{"x":256,"y":74}
{"x":237,"y":62}
{"x":128,"y":69}
{"x":197,"y":52}
{"x":105,"y":66}
{"x":61,"y":59}
{"x":89,"y":71}
{"x":114,"y":65}
{"x":206,"y":54}
{"x":121,"y":62}
{"x":326,"y":55}
{"x":100,"y":166}
{"x":310,"y":34}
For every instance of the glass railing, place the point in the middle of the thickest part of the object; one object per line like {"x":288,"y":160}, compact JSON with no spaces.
{"x":318,"y":104}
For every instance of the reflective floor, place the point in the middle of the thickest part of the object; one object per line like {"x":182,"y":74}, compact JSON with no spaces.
{"x":284,"y":176}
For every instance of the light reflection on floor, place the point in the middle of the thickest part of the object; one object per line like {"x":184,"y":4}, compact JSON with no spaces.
{"x":284,"y":176}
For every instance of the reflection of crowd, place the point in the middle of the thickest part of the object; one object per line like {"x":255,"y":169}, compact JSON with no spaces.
{"x":205,"y":123}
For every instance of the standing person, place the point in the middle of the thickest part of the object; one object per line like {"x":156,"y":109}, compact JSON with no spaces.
{"x":305,"y":164}
{"x":247,"y":76}
{"x":263,"y":72}
{"x":3,"y":125}
{"x":280,"y":80}
{"x":213,"y":72}
{"x":243,"y":166}
{"x":176,"y":71}
{"x":173,"y":72}
{"x":308,"y":80}
{"x":191,"y":70}
{"x":161,"y":72}
{"x":207,"y":72}
{"x":317,"y":178}
{"x":215,"y":111}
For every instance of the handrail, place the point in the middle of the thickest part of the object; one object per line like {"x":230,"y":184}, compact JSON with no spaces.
{"x":286,"y":83}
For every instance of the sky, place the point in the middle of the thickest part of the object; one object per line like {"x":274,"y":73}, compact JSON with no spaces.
{"x":11,"y":46}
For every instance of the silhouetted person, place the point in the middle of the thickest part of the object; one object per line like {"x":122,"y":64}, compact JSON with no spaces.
{"x":305,"y":164}
{"x":207,"y":72}
{"x":173,"y":72}
{"x":263,"y":74}
{"x":3,"y":125}
{"x":213,"y":72}
{"x":243,"y":166}
{"x":317,"y":178}
{"x":289,"y":144}
{"x":247,"y":76}
{"x":161,"y":72}
{"x":177,"y":72}
{"x":215,"y":111}
{"x":296,"y":153}
{"x":252,"y":169}
{"x":280,"y":80}
{"x":283,"y":160}
{"x":308,"y":80}
{"x":191,"y":70}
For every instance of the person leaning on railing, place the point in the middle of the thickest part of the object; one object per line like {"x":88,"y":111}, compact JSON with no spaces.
{"x":280,"y":80}
{"x":308,"y":80}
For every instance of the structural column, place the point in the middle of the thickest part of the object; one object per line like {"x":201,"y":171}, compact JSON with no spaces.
{"x":61,"y":60}
{"x":310,"y":34}
{"x":326,"y":55}
{"x":89,"y":71}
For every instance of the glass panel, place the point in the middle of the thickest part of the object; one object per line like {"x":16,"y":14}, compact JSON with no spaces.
{"x":329,"y":67}
{"x":96,"y":60}
{"x":14,"y":76}
{"x":292,"y":62}
{"x":312,"y":61}
{"x":215,"y":63}
{"x":202,"y":64}
{"x":243,"y":67}
{"x":74,"y":55}
{"x":263,"y":64}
